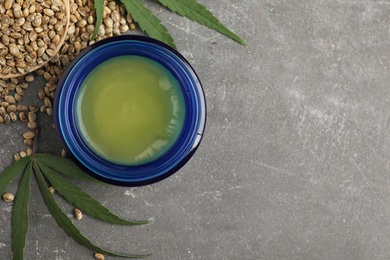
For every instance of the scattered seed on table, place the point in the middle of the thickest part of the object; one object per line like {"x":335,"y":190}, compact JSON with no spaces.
{"x":28,"y":135}
{"x":17,"y":156}
{"x":8,"y":197}
{"x":77,"y":214}
{"x":28,"y":142}
{"x":99,"y":256}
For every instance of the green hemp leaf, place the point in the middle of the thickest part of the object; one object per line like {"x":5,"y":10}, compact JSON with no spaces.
{"x":198,"y":13}
{"x":19,"y":220}
{"x":153,"y":26}
{"x":99,"y":8}
{"x":148,"y":22}
{"x":53,"y":171}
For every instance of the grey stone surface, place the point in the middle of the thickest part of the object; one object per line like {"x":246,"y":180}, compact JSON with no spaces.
{"x":295,"y":160}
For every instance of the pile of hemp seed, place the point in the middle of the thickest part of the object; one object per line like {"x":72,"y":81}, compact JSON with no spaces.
{"x":29,"y":32}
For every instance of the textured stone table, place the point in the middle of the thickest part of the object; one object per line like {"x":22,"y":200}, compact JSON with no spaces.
{"x":295,"y":160}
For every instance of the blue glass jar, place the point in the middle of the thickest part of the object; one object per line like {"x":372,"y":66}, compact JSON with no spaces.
{"x":114,"y":173}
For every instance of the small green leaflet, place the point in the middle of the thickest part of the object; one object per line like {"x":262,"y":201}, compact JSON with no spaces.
{"x":82,"y":200}
{"x":148,"y":22}
{"x":50,"y":170}
{"x":64,"y":166}
{"x":198,"y":13}
{"x":99,"y":8}
{"x":19,"y":221}
{"x":64,"y":222}
{"x":10,"y":173}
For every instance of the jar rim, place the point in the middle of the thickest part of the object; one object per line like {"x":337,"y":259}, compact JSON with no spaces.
{"x":163,"y":166}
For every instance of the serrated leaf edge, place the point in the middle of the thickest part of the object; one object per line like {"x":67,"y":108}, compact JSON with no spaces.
{"x":84,"y":201}
{"x":99,"y":8}
{"x":12,"y":172}
{"x":137,"y":10}
{"x":206,"y":14}
{"x":20,"y":213}
{"x":69,"y":168}
{"x":65,"y":223}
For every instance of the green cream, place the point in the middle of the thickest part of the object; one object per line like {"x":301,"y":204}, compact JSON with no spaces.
{"x":130,"y":110}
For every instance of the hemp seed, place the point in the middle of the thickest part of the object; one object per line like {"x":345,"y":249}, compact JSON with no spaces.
{"x":77,"y":214}
{"x":99,"y":256}
{"x":8,"y":197}
{"x":29,"y":135}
